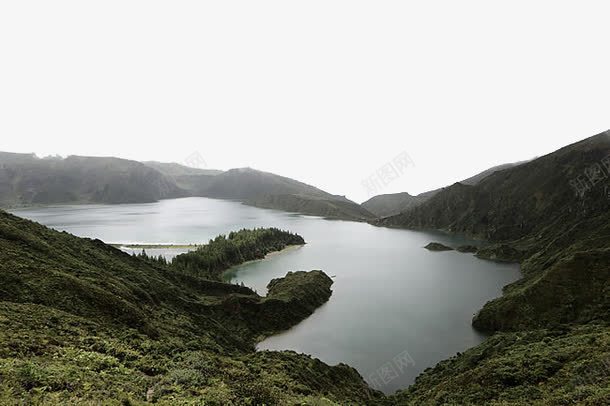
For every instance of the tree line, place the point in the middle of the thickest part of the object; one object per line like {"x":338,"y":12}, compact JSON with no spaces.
{"x":225,"y":251}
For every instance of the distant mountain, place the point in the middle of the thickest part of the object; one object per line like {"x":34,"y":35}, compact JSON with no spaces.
{"x":248,"y":183}
{"x":194,"y":180}
{"x":26,"y":180}
{"x":316,"y":206}
{"x":391,"y":204}
{"x":395,"y":203}
{"x":267,"y":190}
{"x":177,"y":170}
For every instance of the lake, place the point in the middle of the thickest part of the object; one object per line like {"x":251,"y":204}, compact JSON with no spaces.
{"x":396,"y":307}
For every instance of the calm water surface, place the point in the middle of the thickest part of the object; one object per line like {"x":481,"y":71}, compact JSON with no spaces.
{"x":396,"y":308}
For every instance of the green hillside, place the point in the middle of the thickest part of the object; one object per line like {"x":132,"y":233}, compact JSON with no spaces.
{"x":552,"y":341}
{"x":83,"y":321}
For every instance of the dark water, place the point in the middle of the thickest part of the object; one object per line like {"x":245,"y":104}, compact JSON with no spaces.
{"x":396,"y":308}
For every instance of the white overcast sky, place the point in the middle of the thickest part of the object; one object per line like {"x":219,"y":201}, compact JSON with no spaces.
{"x":325,"y":92}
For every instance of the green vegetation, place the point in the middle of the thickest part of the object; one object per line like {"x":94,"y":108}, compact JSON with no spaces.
{"x":193,"y":180}
{"x":393,"y":204}
{"x":330,"y":208}
{"x":561,"y":366}
{"x":552,"y":327}
{"x":211,"y":260}
{"x":159,"y":260}
{"x":83,"y":322}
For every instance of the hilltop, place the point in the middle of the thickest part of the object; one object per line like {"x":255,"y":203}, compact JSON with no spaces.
{"x":392,"y":203}
{"x":267,"y":190}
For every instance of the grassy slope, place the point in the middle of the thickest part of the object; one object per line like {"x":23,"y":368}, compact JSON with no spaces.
{"x":519,"y":201}
{"x":562,"y":241}
{"x":554,"y":349}
{"x":561,"y":366}
{"x":82,"y":321}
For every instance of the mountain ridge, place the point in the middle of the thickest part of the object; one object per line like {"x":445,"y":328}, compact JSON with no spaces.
{"x":28,"y":180}
{"x":82,"y":320}
{"x":391,"y":204}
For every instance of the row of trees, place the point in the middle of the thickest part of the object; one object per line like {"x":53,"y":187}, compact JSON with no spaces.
{"x":225,"y":251}
{"x":161,"y":260}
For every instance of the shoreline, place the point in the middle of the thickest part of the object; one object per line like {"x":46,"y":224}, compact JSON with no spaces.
{"x":155,"y":246}
{"x":224,"y":275}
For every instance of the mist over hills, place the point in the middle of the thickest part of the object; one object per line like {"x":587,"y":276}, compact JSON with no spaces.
{"x":177,"y":170}
{"x":265,"y":190}
{"x":193,"y":181}
{"x":552,"y":215}
{"x":28,"y":180}
{"x":142,"y":331}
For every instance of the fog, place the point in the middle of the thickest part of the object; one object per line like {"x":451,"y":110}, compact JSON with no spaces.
{"x":328,"y":93}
